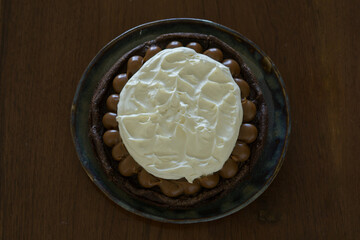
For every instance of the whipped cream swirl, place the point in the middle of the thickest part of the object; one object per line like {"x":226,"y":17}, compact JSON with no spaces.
{"x":179,"y":115}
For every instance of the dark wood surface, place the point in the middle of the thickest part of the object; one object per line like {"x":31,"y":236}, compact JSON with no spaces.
{"x":45,"y":47}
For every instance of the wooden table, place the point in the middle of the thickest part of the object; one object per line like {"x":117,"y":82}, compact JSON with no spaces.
{"x":45,"y":47}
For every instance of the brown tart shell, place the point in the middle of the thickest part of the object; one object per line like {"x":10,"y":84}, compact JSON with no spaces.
{"x":154,"y":194}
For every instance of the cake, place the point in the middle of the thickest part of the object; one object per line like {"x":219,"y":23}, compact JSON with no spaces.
{"x":149,"y":182}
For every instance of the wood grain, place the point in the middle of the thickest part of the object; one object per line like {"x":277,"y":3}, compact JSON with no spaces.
{"x":45,"y":47}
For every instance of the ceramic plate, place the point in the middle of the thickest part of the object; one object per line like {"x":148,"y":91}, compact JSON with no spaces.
{"x":271,"y":85}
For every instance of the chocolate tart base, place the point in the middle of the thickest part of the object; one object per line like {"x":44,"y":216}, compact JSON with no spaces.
{"x":154,"y":195}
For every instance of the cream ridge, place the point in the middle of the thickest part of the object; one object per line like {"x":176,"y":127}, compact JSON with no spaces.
{"x":179,"y":115}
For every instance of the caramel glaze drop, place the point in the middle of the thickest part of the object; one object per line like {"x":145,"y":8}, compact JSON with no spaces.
{"x":109,"y":120}
{"x":133,"y":65}
{"x":128,"y":167}
{"x":151,"y":52}
{"x":173,"y":188}
{"x":233,"y":66}
{"x":112,"y":102}
{"x":249,"y":110}
{"x":119,"y":82}
{"x":215,"y":54}
{"x":195,"y":46}
{"x":244,"y":87}
{"x":174,"y":44}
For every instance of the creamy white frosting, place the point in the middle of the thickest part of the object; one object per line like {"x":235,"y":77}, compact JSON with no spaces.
{"x":179,"y":115}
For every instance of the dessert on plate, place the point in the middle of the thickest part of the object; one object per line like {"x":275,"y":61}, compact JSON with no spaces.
{"x":178,"y":121}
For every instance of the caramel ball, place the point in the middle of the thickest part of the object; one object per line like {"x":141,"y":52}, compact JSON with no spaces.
{"x":233,"y":66}
{"x":249,"y":110}
{"x":119,"y":151}
{"x":241,"y":152}
{"x":111,"y":137}
{"x":209,"y":181}
{"x":109,"y":120}
{"x":229,"y":169}
{"x":215,"y":54}
{"x":248,"y":133}
{"x":119,"y":82}
{"x":196,"y":46}
{"x":112,"y":102}
{"x":133,"y":65}
{"x":151,"y":52}
{"x":174,"y":44}
{"x":147,"y":180}
{"x":170,"y":188}
{"x":244,"y":87}
{"x":128,"y":167}
{"x":191,"y":188}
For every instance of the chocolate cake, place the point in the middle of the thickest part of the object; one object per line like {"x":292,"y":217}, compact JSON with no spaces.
{"x":176,"y":194}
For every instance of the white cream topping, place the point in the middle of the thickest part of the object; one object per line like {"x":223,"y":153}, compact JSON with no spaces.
{"x":179,"y":115}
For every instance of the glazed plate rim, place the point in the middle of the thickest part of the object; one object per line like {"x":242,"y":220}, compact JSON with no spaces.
{"x":108,"y":46}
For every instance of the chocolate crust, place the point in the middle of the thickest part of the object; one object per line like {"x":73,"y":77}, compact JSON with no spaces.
{"x":154,"y":195}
